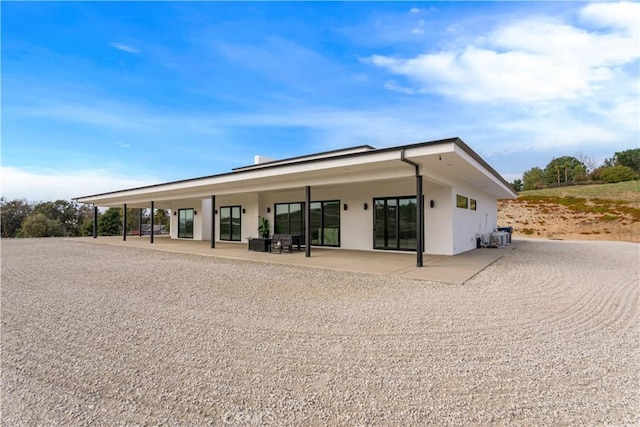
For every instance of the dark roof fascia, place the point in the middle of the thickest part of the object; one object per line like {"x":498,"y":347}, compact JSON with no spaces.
{"x":484,"y":164}
{"x":290,"y":159}
{"x":278,"y":164}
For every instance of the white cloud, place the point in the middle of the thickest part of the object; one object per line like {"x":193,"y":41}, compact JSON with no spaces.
{"x":536,"y":59}
{"x":414,"y":10}
{"x":618,"y":15}
{"x":50,"y":185}
{"x":124,"y":47}
{"x":394,"y":86}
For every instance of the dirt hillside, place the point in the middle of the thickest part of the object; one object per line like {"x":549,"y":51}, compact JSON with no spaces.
{"x":560,"y":216}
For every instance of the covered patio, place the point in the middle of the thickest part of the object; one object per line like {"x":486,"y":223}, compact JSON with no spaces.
{"x":455,"y":269}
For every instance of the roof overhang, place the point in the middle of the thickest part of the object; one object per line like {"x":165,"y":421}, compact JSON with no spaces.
{"x":447,"y":162}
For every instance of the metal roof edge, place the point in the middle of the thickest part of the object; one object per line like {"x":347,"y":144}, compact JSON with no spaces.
{"x":289,"y":159}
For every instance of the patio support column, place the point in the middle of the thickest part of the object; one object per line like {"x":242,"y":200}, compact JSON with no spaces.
{"x":95,"y":222}
{"x":307,"y":221}
{"x":213,"y":222}
{"x":151,"y":227}
{"x":419,"y":210}
{"x":124,"y":223}
{"x":420,"y":227}
{"x":140,"y":222}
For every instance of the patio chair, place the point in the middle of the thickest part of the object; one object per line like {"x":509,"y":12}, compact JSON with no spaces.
{"x":279,"y":242}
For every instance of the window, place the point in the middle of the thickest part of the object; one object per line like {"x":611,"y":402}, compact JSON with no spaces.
{"x":473,"y":205}
{"x":462,"y":202}
{"x":395,"y":223}
{"x":230,"y":223}
{"x":185,"y":223}
{"x":289,"y":218}
{"x":325,"y":223}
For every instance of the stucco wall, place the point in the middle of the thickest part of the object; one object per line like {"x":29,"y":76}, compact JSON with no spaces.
{"x":470,"y":223}
{"x":449,"y":230}
{"x":438,"y":220}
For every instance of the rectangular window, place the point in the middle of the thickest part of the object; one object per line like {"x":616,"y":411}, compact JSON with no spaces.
{"x":230,"y":223}
{"x":473,"y":205}
{"x":289,"y":218}
{"x":185,"y":223}
{"x":462,"y":202}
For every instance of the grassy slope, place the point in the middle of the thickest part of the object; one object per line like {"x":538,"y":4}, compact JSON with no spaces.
{"x":605,"y":211}
{"x":628,"y":192}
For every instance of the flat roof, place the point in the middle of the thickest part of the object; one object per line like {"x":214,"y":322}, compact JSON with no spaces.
{"x":367,"y":150}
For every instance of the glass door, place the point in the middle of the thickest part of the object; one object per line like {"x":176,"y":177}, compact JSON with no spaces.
{"x":395,"y":223}
{"x":185,"y":223}
{"x":325,"y":223}
{"x":230,"y":223}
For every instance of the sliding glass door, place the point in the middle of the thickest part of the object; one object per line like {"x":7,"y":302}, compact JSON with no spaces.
{"x":325,"y":223}
{"x":230,"y":223}
{"x":185,"y":223}
{"x":395,"y":223}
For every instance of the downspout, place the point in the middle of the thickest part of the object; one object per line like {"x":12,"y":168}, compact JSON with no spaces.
{"x":419,"y":209}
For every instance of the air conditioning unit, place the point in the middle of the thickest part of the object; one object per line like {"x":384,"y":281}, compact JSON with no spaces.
{"x":500,"y":238}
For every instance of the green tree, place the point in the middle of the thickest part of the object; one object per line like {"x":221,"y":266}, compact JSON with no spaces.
{"x":14,"y":213}
{"x":38,"y":225}
{"x":70,"y":214}
{"x":564,"y":170}
{"x":629,"y":158}
{"x":517,"y":185}
{"x":110,"y":222}
{"x":86,"y":229}
{"x":533,"y":179}
{"x":617,"y":173}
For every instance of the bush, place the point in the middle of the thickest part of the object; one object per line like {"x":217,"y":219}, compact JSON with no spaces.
{"x":38,"y":225}
{"x":617,"y":173}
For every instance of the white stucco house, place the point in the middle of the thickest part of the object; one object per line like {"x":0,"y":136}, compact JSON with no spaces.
{"x":432,"y":197}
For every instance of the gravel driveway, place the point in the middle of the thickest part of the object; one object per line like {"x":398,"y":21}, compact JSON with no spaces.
{"x":101,"y":335}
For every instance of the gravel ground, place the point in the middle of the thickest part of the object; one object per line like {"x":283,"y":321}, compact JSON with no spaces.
{"x":102,"y":335}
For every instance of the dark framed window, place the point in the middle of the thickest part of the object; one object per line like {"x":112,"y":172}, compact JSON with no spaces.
{"x":185,"y":223}
{"x":289,"y":218}
{"x":472,"y":205}
{"x":462,"y":202}
{"x":325,"y":223}
{"x":230,"y":223}
{"x":395,"y":223}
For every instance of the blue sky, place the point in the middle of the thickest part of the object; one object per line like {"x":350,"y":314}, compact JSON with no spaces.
{"x":101,"y":96}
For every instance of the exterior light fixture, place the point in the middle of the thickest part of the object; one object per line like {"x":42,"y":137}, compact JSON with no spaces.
{"x":366,"y":206}
{"x":175,"y":213}
{"x":195,"y":212}
{"x":345,"y":207}
{"x":243,"y":210}
{"x":268,"y":210}
{"x":432,"y":203}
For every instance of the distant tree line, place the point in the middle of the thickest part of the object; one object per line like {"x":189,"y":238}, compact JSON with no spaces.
{"x":62,"y":218}
{"x":568,"y":170}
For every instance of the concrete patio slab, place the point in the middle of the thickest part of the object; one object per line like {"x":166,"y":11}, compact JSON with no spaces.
{"x":455,"y":269}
